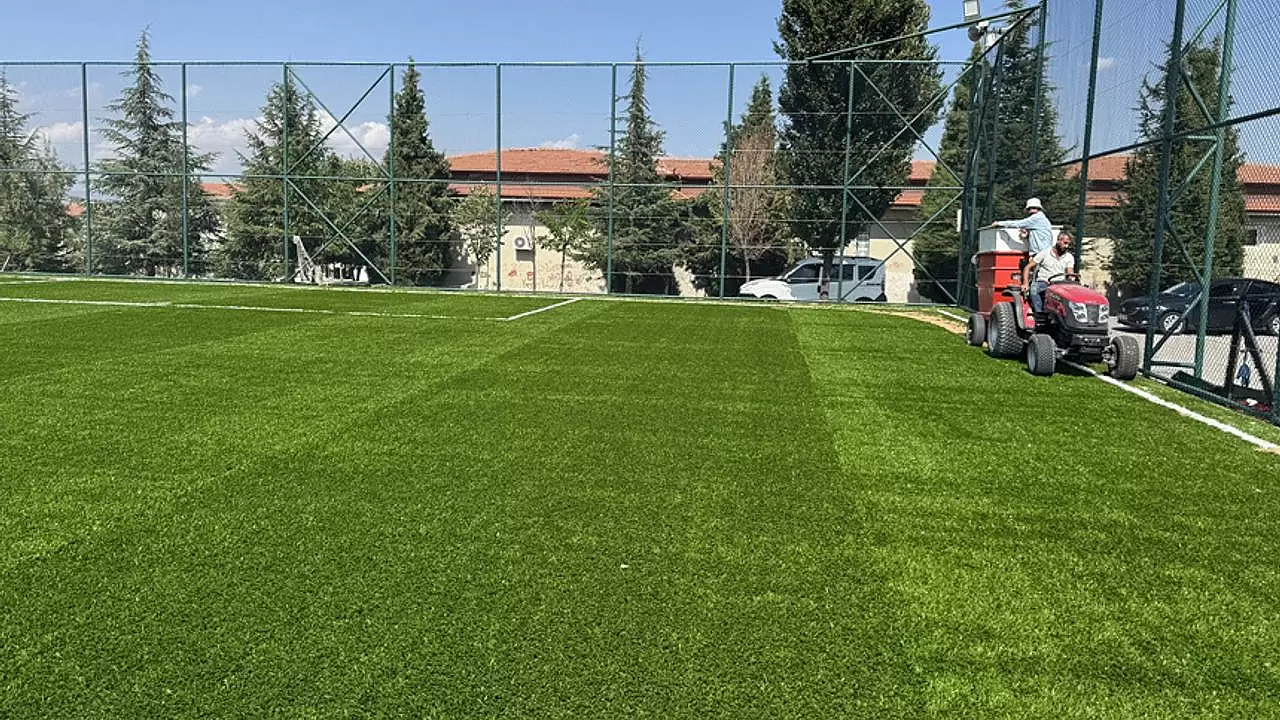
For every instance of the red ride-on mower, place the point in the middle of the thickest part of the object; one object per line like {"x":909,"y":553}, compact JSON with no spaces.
{"x":1074,"y":324}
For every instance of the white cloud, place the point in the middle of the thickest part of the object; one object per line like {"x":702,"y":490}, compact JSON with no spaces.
{"x":194,"y":90}
{"x":374,"y":136}
{"x":63,"y":132}
{"x":1106,"y":63}
{"x":223,"y":138}
{"x":568,"y":143}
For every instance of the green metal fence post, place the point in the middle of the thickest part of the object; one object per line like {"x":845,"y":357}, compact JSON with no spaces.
{"x":1087,"y":142}
{"x":391,"y":172}
{"x":844,"y":190}
{"x":613,"y":146}
{"x":969,"y":198}
{"x":88,"y":179}
{"x":284,"y":165}
{"x":186,"y":159}
{"x":728,"y":183}
{"x":1210,"y":235}
{"x":993,"y":140}
{"x":497,"y":167}
{"x":1173,"y":75}
{"x":1035,"y":104}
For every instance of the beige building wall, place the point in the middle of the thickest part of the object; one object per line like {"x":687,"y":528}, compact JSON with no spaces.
{"x":532,"y":270}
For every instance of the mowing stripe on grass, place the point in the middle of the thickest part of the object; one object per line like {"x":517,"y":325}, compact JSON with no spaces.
{"x":1183,"y":411}
{"x":254,"y":308}
{"x":542,"y":309}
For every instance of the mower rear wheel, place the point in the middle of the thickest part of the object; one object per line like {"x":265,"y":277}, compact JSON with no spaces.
{"x":1002,"y":332}
{"x":1042,"y":355}
{"x":1122,"y":357}
{"x":976,"y":333}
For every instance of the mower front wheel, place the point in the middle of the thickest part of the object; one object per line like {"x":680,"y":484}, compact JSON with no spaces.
{"x":976,"y":333}
{"x":1123,"y":357}
{"x":1042,"y":355}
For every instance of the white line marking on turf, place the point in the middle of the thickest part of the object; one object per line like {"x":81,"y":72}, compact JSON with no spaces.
{"x":542,"y":309}
{"x":1183,"y":411}
{"x":51,"y":301}
{"x":248,"y":308}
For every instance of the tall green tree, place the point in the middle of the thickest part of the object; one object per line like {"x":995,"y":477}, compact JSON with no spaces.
{"x":1133,"y":223}
{"x":142,"y":224}
{"x":1021,"y":73}
{"x":1018,"y":75}
{"x":756,"y":222}
{"x":256,"y":213}
{"x":815,"y":100}
{"x":649,"y":225}
{"x":424,"y":229}
{"x":35,"y":227}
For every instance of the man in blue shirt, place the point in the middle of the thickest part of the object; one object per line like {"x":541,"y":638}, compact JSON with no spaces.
{"x":1040,"y":230}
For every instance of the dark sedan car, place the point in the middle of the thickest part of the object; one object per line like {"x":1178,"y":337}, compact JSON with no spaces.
{"x":1225,"y":297}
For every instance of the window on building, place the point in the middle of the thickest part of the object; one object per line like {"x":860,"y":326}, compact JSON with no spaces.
{"x":1251,"y":236}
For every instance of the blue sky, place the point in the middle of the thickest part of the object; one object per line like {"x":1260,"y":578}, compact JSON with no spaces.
{"x":545,"y":106}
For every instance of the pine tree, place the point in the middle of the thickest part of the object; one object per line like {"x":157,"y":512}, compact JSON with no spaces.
{"x":143,"y":222}
{"x":648,"y":224}
{"x":757,"y":214}
{"x":1010,"y":121}
{"x":35,"y":228}
{"x":255,"y":239}
{"x":425,"y":232}
{"x":1013,"y":124}
{"x":1133,"y":223}
{"x":814,"y":100}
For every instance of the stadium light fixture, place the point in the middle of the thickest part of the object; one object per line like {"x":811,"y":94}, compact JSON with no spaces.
{"x":972,"y":10}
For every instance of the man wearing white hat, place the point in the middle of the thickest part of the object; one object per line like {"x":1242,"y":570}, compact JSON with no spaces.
{"x":1040,"y":230}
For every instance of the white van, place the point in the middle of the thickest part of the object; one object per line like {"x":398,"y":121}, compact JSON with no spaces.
{"x":854,"y":279}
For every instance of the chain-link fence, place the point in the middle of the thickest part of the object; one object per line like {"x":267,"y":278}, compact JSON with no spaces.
{"x":1172,"y":108}
{"x":1147,"y":128}
{"x":317,"y":172}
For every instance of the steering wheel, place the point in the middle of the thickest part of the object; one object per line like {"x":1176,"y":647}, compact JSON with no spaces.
{"x":1063,"y":278}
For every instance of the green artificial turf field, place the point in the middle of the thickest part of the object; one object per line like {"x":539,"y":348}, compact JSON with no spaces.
{"x":317,"y":503}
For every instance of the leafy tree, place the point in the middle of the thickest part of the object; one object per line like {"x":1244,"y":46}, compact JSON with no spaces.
{"x":815,"y":101}
{"x":143,"y":223}
{"x":423,"y":222}
{"x":569,"y":227}
{"x":480,"y":220}
{"x":1133,"y":223}
{"x":35,"y":228}
{"x":756,"y":220}
{"x":648,"y":223}
{"x":256,"y":212}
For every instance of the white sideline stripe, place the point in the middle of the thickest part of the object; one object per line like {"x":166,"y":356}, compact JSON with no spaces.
{"x":249,"y":308}
{"x":49,"y":301}
{"x":1183,"y":411}
{"x":542,"y":309}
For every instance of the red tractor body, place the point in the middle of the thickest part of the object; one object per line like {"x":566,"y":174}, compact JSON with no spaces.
{"x":1075,"y":323}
